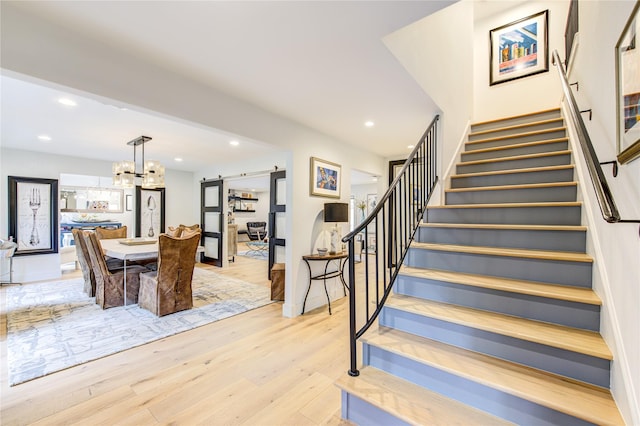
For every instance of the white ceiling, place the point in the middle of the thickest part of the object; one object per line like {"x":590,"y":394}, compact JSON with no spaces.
{"x":320,"y":63}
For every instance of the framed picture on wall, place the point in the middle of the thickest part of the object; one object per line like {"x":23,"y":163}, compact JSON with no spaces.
{"x":519,"y":49}
{"x":33,"y":215}
{"x":149,"y":212}
{"x":324,"y":178}
{"x":372,"y":202}
{"x":628,"y":89}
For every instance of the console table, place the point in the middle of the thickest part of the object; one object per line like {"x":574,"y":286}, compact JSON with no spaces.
{"x":338,"y":261}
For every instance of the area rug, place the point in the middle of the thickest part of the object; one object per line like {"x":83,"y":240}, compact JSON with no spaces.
{"x":254,"y":254}
{"x":55,"y":325}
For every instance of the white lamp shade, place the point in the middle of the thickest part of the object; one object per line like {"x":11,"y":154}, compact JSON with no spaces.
{"x":153,"y":174}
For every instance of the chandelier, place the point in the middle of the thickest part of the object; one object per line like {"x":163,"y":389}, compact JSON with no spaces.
{"x":125,"y":174}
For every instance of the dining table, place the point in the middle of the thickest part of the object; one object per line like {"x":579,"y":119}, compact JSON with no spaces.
{"x":134,"y":249}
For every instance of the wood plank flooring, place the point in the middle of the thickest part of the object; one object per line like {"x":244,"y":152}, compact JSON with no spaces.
{"x":256,"y":368}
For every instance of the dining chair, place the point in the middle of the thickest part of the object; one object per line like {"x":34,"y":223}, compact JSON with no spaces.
{"x":182,"y":231}
{"x":168,"y":289}
{"x":84,"y":261}
{"x":110,"y":285}
{"x":110,"y":233}
{"x":174,"y":231}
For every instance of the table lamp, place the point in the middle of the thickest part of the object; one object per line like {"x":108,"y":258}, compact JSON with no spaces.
{"x":335,"y":213}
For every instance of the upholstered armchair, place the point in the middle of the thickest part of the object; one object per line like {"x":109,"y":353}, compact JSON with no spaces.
{"x":257,"y":230}
{"x":110,"y":233}
{"x":168,"y":289}
{"x":110,"y":285}
{"x":84,"y":261}
{"x":182,"y":231}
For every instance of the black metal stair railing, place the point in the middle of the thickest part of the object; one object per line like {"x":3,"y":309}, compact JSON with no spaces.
{"x":386,"y":234}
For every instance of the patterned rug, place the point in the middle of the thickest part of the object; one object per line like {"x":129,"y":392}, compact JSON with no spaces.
{"x":255,"y":254}
{"x":55,"y":325}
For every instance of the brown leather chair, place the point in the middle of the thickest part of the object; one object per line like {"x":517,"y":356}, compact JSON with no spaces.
{"x":110,"y":233}
{"x":183,"y":230}
{"x":168,"y":289}
{"x":84,"y":261}
{"x":110,"y":285}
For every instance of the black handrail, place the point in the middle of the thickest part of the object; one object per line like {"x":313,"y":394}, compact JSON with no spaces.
{"x":603,"y":193}
{"x":392,"y":224}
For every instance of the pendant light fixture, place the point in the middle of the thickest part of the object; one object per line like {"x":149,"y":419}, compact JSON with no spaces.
{"x":125,"y":174}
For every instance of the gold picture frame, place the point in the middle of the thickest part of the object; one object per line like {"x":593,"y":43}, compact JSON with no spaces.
{"x":628,"y":89}
{"x":325,"y":178}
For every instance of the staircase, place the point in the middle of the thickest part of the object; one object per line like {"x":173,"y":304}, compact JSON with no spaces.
{"x":493,"y":320}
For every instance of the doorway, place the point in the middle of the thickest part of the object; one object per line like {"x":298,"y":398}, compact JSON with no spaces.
{"x":256,"y":214}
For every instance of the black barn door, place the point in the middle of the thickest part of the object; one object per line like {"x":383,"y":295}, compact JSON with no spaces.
{"x":211,"y":221}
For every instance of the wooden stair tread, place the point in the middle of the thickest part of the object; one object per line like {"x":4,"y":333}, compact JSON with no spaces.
{"x":481,"y":123}
{"x":509,"y":205}
{"x":517,"y":186}
{"x":512,"y":171}
{"x":516,"y":126}
{"x":553,"y":335}
{"x":410,"y":402}
{"x":531,"y":288}
{"x":505,"y":227}
{"x":517,"y":135}
{"x":517,"y":145}
{"x":566,"y":256}
{"x":515,"y":157}
{"x":584,"y":401}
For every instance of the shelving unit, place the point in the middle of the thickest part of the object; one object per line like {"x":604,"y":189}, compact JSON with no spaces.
{"x":240,"y":203}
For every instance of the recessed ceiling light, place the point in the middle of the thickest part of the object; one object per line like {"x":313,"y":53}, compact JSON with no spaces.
{"x":67,"y":102}
{"x":369,"y":123}
{"x":178,"y":159}
{"x":411,"y":146}
{"x":234,"y":143}
{"x":375,"y":179}
{"x":44,"y":138}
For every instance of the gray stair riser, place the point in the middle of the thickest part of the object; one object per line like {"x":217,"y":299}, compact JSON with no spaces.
{"x":570,"y":314}
{"x":515,"y":139}
{"x":530,"y":118}
{"x":574,"y":241}
{"x":553,"y":215}
{"x":549,"y":271}
{"x":361,"y":412}
{"x":564,"y":175}
{"x":517,"y":150}
{"x":517,"y":163}
{"x":518,"y":195}
{"x":490,"y":400}
{"x":533,"y":127}
{"x":558,"y":361}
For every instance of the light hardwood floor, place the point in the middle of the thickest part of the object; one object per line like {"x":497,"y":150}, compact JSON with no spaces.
{"x":256,"y":368}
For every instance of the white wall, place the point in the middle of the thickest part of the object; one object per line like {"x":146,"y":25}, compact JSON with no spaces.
{"x":617,"y":246}
{"x":360,"y":192}
{"x":260,"y":205}
{"x":534,"y":93}
{"x":438,"y":52}
{"x":179,"y":194}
